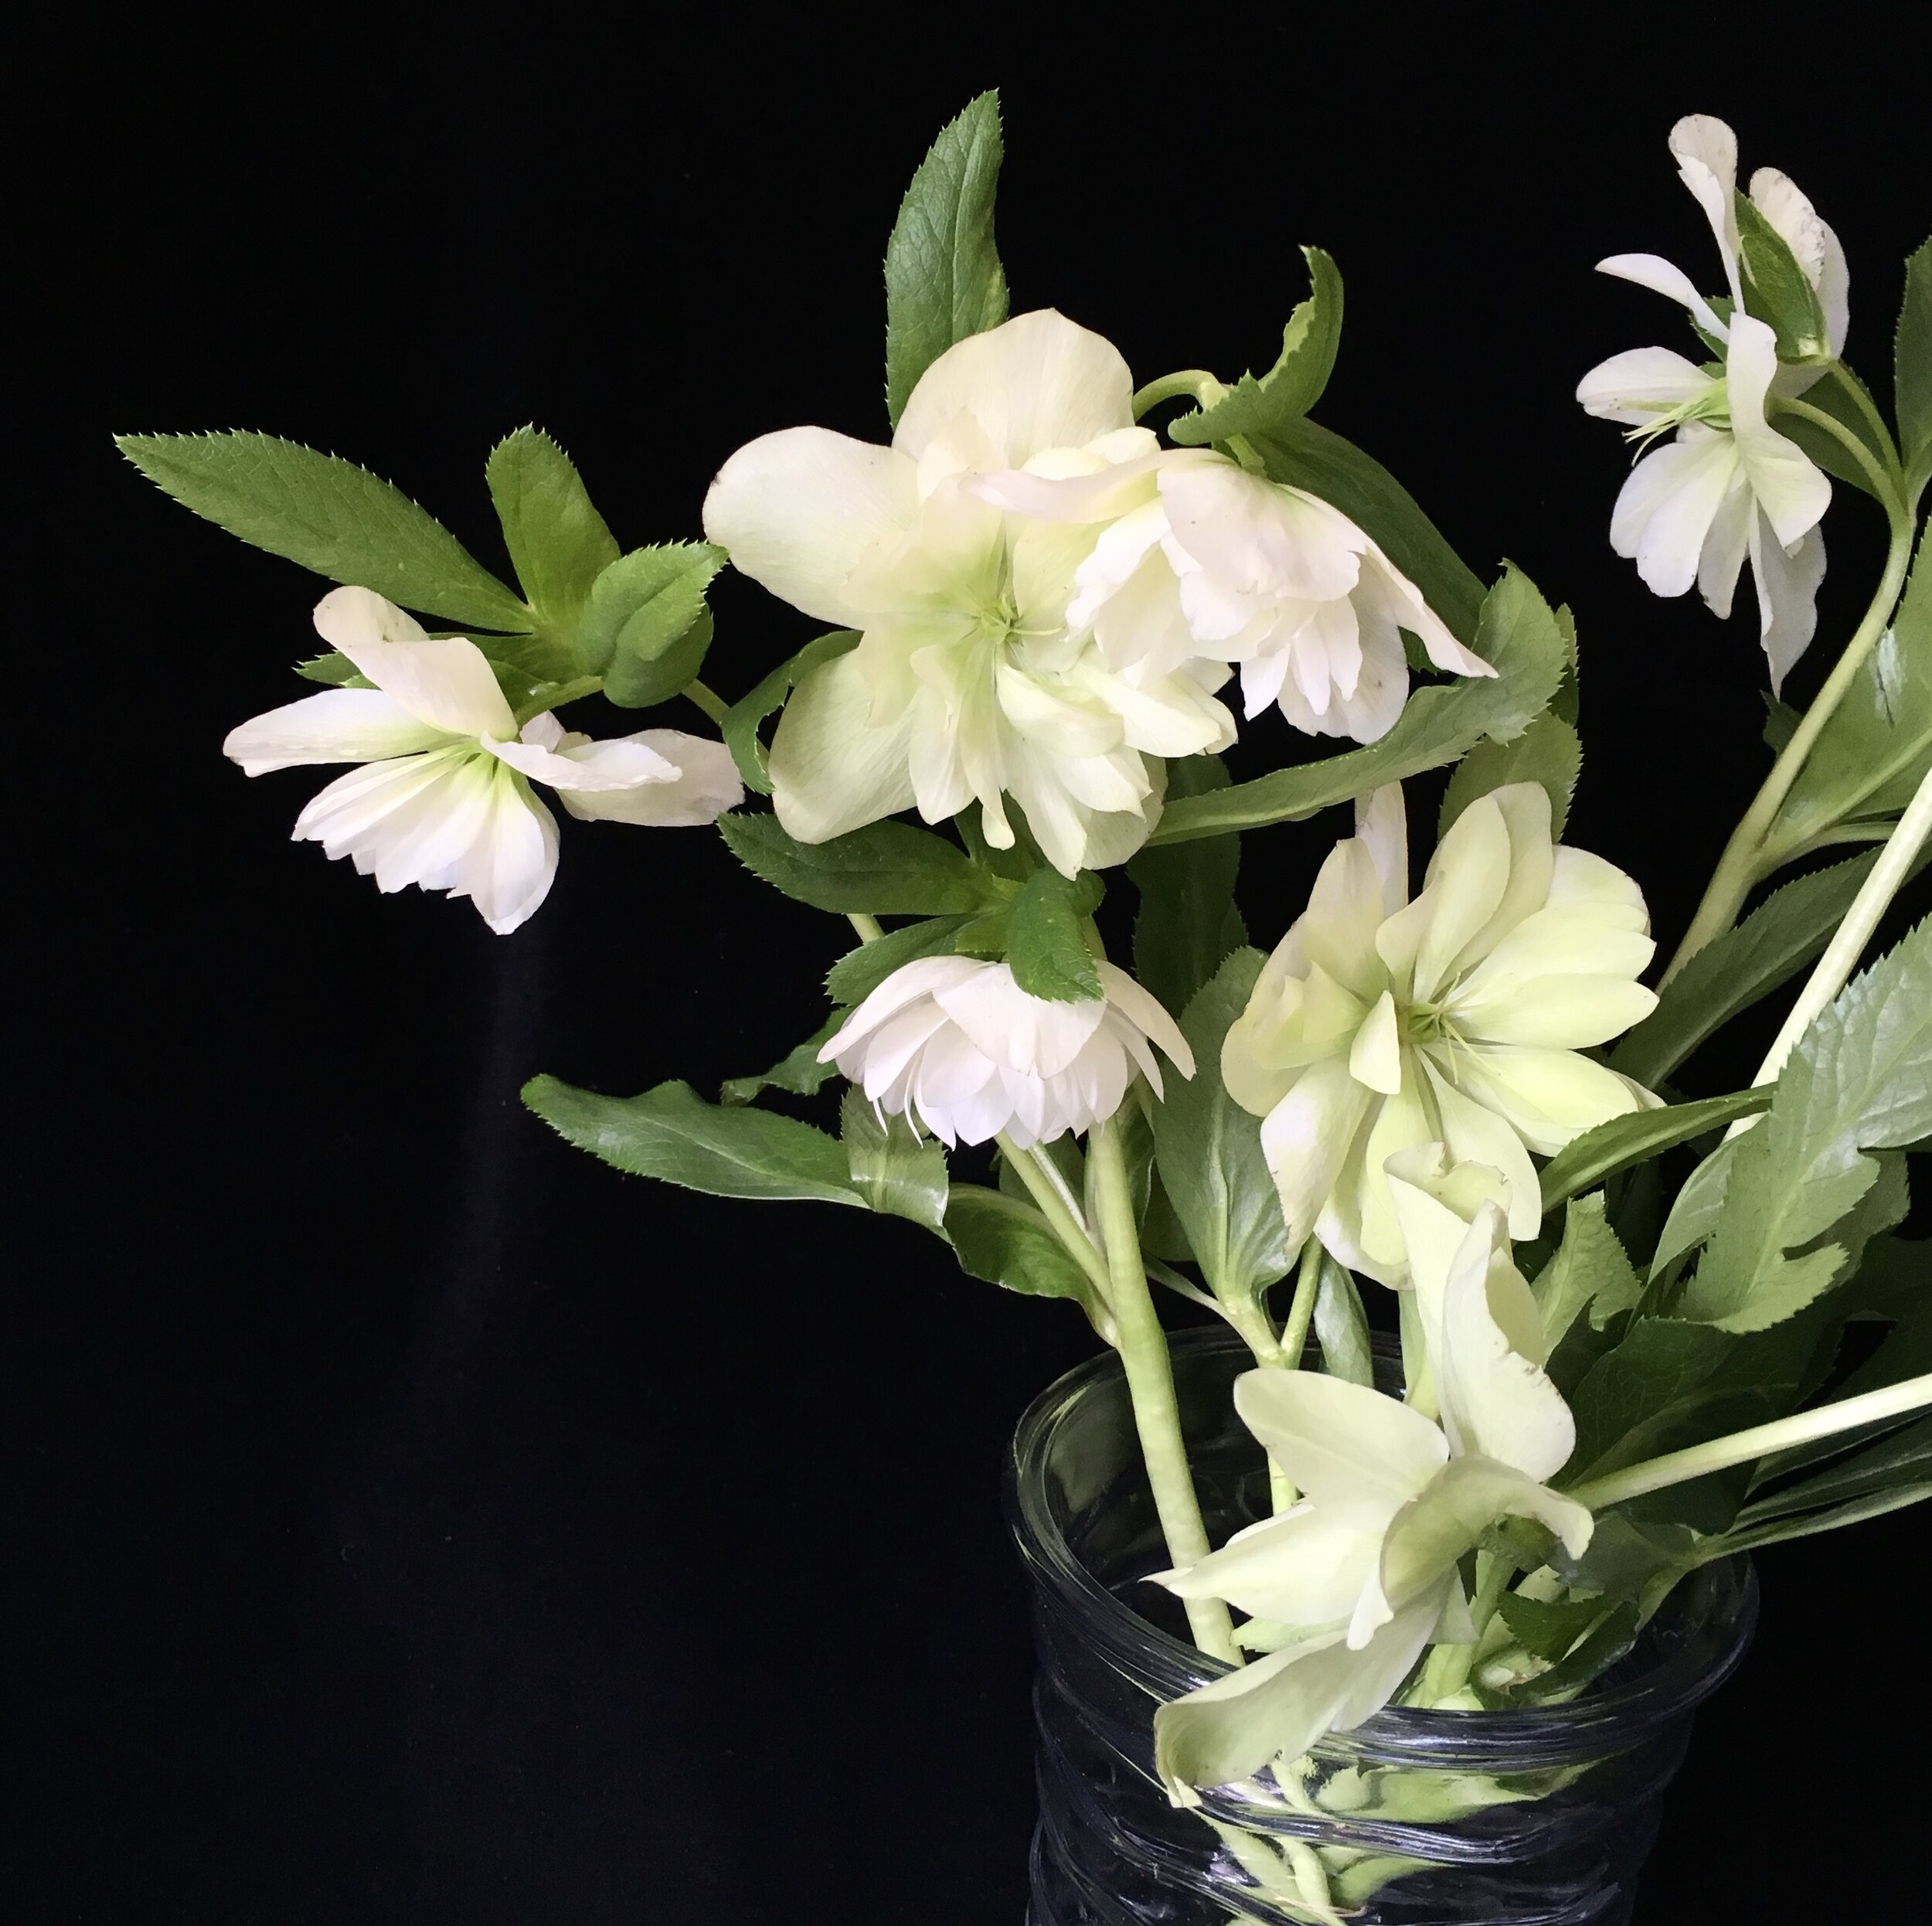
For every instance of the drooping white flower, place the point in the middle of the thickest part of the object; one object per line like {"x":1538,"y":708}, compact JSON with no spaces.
{"x":1728,"y":485}
{"x":1379,"y":1023}
{"x":443,"y":799}
{"x":954,"y":1043}
{"x":1206,"y":562}
{"x":1348,"y":1586}
{"x":968,"y":684}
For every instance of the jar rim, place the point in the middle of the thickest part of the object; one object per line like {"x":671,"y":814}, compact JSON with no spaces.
{"x":1719,"y":1599}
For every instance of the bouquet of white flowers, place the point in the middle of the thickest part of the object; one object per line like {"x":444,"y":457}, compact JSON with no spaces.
{"x":1640,"y":1330}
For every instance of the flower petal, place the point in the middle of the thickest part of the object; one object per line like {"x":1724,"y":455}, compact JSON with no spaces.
{"x":1791,"y":489}
{"x":1706,"y":151}
{"x":1640,"y":383}
{"x":615,"y":764}
{"x":508,"y":870}
{"x":1654,"y":272}
{"x":1148,"y":1015}
{"x":800,"y":509}
{"x":1355,"y":1453}
{"x":703,"y":783}
{"x":1036,"y":382}
{"x":338,"y":725}
{"x":446,"y":683}
{"x":1306,"y":1139}
{"x":832,"y":768}
{"x":1306,"y":1567}
{"x":1788,"y":582}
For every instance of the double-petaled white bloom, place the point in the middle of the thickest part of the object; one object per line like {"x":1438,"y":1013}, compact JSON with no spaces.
{"x":969,"y":683}
{"x":1202,"y":562}
{"x":1379,"y":1023}
{"x":1347,"y":1588}
{"x":953,"y":1042}
{"x":444,"y":799}
{"x":1728,"y":485}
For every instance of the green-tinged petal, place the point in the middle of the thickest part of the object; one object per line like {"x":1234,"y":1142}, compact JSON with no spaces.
{"x":832,"y":768}
{"x":1524,"y":808}
{"x":1497,"y":1401}
{"x":1304,"y":1568}
{"x":1359,"y":1228}
{"x":1577,"y":878}
{"x":1279,"y":1706}
{"x":1038,"y":381}
{"x":1356,"y":1454}
{"x":1791,"y":489}
{"x":1307,"y":1138}
{"x":1338,"y":929}
{"x":1468,"y":877}
{"x":1465,"y":1500}
{"x":445,"y":683}
{"x":1555,"y":1012}
{"x":1475,"y":1134}
{"x":799,"y":509}
{"x":1565,"y":939}
{"x":339,"y":725}
{"x":1436,"y":1201}
{"x":1547,"y":1096}
{"x":1375,"y":1058}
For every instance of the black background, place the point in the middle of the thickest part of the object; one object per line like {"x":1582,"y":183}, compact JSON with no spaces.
{"x":420,"y":1522}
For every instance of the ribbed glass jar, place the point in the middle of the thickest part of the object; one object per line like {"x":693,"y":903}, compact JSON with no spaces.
{"x":1537,"y":1818}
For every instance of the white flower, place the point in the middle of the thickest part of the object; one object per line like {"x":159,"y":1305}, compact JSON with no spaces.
{"x":1729,"y":484}
{"x":955,"y":1043}
{"x":1351,"y":1584}
{"x":444,"y":799}
{"x":1209,"y":563}
{"x":969,"y":683}
{"x":1379,"y":1023}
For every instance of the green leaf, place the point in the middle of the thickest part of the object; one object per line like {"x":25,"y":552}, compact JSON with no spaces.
{"x":943,"y":281}
{"x":1869,"y":757}
{"x":1550,"y":1627}
{"x":1786,"y":931}
{"x":1006,"y":1242}
{"x":1306,"y":455}
{"x":333,"y":670}
{"x":861,"y":970}
{"x":558,"y":543}
{"x":1549,"y":751}
{"x":1585,"y":1160}
{"x":1834,"y":397}
{"x":1341,"y":1325}
{"x":1809,"y":1524}
{"x":739,"y":727}
{"x":1518,"y":634}
{"x":1614,"y":1634}
{"x":330,"y":516}
{"x":1860,"y":1079}
{"x":798,"y":1071}
{"x":671,"y":1133}
{"x":1778,"y":290}
{"x":1294,"y":385}
{"x":894,"y":1170}
{"x":1590,"y":1272}
{"x":1047,"y":941}
{"x":646,"y":628}
{"x":1187,"y":921}
{"x":886,"y":869}
{"x":1209,"y":1149}
{"x":1912,"y":360}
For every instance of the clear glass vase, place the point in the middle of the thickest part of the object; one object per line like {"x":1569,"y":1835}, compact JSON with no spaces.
{"x":1538,"y":1818}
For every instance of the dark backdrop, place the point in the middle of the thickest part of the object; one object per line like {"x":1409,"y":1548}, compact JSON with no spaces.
{"x":420,"y":1522}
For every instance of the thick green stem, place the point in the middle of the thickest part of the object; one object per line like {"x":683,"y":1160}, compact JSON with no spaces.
{"x":714,"y":706}
{"x":1738,"y":868}
{"x":1740,"y":1448}
{"x":1150,"y":1383}
{"x":1835,"y":967}
{"x":1048,"y":1192}
{"x":1307,"y":1286}
{"x":866,"y":927}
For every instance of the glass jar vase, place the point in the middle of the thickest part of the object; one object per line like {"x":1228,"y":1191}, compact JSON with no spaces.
{"x":1541,"y":1817}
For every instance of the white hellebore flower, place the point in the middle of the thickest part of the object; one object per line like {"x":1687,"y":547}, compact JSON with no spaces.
{"x":1729,"y":484}
{"x":953,"y":1042}
{"x":1379,"y":1023}
{"x":1207,"y":563}
{"x":443,"y":799}
{"x":968,"y":683}
{"x":1350,"y":1585}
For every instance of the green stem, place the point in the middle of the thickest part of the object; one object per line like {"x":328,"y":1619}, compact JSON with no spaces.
{"x":1738,"y":868}
{"x":1740,"y":1448}
{"x":1195,"y":382}
{"x":1047,"y":1191}
{"x":1885,"y":483}
{"x":1307,"y":1286}
{"x":1449,"y":1667}
{"x":714,"y":706}
{"x":867,"y":927}
{"x":1150,"y":1383}
{"x":1881,"y":431}
{"x":1834,"y":968}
